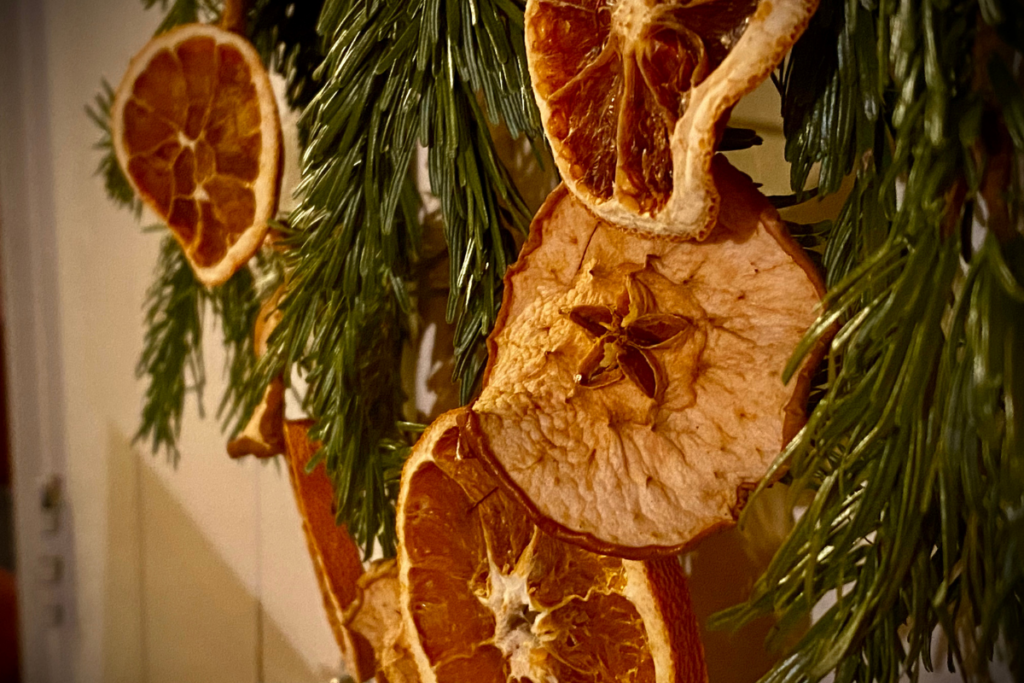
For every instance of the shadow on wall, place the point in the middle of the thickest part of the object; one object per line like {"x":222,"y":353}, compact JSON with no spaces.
{"x":174,"y":610}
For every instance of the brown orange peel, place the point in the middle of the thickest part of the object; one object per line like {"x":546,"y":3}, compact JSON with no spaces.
{"x":361,"y":606}
{"x":263,"y":436}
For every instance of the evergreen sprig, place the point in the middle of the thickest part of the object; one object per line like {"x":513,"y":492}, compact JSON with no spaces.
{"x":235,"y":305}
{"x":172,"y":357}
{"x":184,"y":12}
{"x":397,"y":75}
{"x":915,"y":452}
{"x":285,"y":35}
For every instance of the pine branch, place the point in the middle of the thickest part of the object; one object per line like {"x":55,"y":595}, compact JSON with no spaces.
{"x":236,"y":305}
{"x":284,"y":33}
{"x":114,"y":180}
{"x":914,"y":453}
{"x":172,"y":357}
{"x":396,"y":74}
{"x":184,"y":12}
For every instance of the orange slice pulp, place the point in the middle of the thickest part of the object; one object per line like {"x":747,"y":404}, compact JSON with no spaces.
{"x":633,"y":96}
{"x":486,"y":596}
{"x":196,"y":131}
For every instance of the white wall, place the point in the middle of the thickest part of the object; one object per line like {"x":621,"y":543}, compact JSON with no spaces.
{"x":191,"y":573}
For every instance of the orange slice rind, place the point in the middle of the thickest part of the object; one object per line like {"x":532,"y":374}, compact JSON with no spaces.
{"x":196,"y":131}
{"x":488,"y":597}
{"x":632,"y":399}
{"x":336,"y":558}
{"x":361,"y":606}
{"x":263,"y":434}
{"x":634,"y":95}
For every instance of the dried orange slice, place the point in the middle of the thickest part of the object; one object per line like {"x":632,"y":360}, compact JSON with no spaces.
{"x":336,"y":559}
{"x":362,"y":607}
{"x":488,"y":597}
{"x":633,"y":398}
{"x":196,"y":131}
{"x":633,"y":95}
{"x":263,"y":435}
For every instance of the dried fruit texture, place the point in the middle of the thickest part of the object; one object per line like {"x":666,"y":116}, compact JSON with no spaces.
{"x":336,"y":559}
{"x":196,"y":130}
{"x":633,"y":95}
{"x":362,"y":607}
{"x":374,"y":621}
{"x":263,"y":435}
{"x":488,"y":597}
{"x":396,"y":664}
{"x":633,"y":393}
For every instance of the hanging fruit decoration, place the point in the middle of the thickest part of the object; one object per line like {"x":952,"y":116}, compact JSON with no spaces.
{"x":486,"y":596}
{"x":633,"y":392}
{"x":196,"y":131}
{"x":361,"y":606}
{"x":634,"y":96}
{"x":263,"y":435}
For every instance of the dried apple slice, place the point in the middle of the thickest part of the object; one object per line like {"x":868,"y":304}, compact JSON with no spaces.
{"x":633,"y":95}
{"x":633,"y":393}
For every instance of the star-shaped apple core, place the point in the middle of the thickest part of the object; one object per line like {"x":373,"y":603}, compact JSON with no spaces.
{"x":626,"y":334}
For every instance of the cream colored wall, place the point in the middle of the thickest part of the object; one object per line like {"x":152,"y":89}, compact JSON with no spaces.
{"x":194,"y":572}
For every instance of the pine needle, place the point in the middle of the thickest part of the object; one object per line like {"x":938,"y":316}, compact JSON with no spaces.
{"x":914,"y":452}
{"x":172,"y":357}
{"x":114,"y":180}
{"x":396,"y":75}
{"x":284,"y":34}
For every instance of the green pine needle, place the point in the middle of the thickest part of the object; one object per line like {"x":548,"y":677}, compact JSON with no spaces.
{"x":236,"y":305}
{"x":172,"y":358}
{"x":914,"y":453}
{"x":397,"y":74}
{"x":284,"y":33}
{"x":184,"y":12}
{"x":114,"y":180}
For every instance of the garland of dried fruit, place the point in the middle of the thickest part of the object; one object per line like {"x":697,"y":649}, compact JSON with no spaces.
{"x":630,"y":398}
